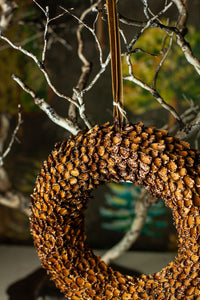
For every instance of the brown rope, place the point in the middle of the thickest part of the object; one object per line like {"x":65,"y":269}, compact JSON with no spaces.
{"x":116,"y":68}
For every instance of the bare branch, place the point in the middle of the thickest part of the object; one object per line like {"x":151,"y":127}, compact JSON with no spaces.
{"x":141,"y":210}
{"x":196,"y":141}
{"x":5,"y":153}
{"x":24,"y":42}
{"x":80,"y":107}
{"x":48,"y":20}
{"x":183,"y":44}
{"x":130,"y":22}
{"x":185,"y":47}
{"x":146,"y":9}
{"x":183,"y":14}
{"x":82,"y":57}
{"x":148,"y":24}
{"x":7,"y":8}
{"x":98,"y":75}
{"x":40,"y":7}
{"x":16,"y":200}
{"x":45,"y":36}
{"x":92,"y":31}
{"x":4,"y":127}
{"x":154,"y":92}
{"x":40,"y":66}
{"x":166,"y":52}
{"x":86,"y":68}
{"x":63,"y":122}
{"x":190,"y":129}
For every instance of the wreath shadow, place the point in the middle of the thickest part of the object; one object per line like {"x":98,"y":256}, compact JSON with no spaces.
{"x":37,"y":285}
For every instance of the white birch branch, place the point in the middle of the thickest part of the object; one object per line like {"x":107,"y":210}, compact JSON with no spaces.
{"x":141,"y":210}
{"x":16,"y":200}
{"x":155,"y":93}
{"x":7,"y":8}
{"x":13,"y":137}
{"x":50,"y":112}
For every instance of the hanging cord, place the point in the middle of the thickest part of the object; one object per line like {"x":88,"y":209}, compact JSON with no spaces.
{"x":116,"y":67}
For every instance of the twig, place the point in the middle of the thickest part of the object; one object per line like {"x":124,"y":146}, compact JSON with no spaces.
{"x":188,"y":116}
{"x":24,"y":42}
{"x":190,"y":129}
{"x":7,"y":8}
{"x":40,"y":7}
{"x":152,"y":90}
{"x":81,"y":108}
{"x":147,"y":25}
{"x":40,"y":66}
{"x":79,"y":96}
{"x":98,"y":75}
{"x":183,"y":14}
{"x":43,"y":105}
{"x":183,"y":44}
{"x":185,"y":47}
{"x":166,"y":52}
{"x":141,"y":210}
{"x":91,"y":30}
{"x":45,"y":36}
{"x":48,"y":20}
{"x":9,"y":197}
{"x":131,"y":22}
{"x":131,"y":77}
{"x":16,"y":200}
{"x":13,"y":137}
{"x":4,"y":127}
{"x":146,"y":9}
{"x":85,"y":70}
{"x":103,"y":64}
{"x":196,"y":141}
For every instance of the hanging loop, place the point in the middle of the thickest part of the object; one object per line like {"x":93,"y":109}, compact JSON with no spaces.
{"x":116,"y":67}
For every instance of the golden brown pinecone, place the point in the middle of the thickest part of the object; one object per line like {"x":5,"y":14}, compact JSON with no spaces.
{"x":164,"y":165}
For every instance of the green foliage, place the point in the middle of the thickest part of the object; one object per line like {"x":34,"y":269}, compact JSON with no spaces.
{"x":177,"y":76}
{"x":120,"y":210}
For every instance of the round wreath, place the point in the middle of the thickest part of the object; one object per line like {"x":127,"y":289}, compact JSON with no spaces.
{"x":164,"y":165}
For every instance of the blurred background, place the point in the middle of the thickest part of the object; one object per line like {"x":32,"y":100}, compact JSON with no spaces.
{"x":112,"y":208}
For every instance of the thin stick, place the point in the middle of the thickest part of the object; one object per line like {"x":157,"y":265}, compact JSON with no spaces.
{"x":131,"y":77}
{"x":40,"y":66}
{"x":183,"y":44}
{"x":141,"y":210}
{"x":166,"y":52}
{"x":45,"y":36}
{"x":13,"y":137}
{"x":43,"y":105}
{"x":89,"y":28}
{"x":148,"y":24}
{"x":16,"y":200}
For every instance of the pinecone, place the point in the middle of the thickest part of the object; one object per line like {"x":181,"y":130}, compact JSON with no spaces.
{"x":166,"y":166}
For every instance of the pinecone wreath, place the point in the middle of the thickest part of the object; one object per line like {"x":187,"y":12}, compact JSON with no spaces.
{"x":164,"y":165}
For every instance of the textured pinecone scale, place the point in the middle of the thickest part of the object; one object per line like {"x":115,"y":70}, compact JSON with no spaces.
{"x":164,"y":165}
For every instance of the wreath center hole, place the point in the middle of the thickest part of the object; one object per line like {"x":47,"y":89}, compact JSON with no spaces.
{"x":109,"y":218}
